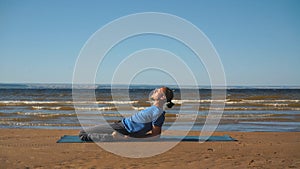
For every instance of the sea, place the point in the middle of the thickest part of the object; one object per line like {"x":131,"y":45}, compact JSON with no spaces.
{"x":52,"y":106}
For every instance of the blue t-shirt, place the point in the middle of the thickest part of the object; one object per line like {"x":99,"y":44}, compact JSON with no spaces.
{"x":142,"y":122}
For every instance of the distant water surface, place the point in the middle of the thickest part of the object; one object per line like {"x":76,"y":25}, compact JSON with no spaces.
{"x":51,"y":106}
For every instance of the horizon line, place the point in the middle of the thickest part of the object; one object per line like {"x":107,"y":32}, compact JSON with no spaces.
{"x":97,"y":85}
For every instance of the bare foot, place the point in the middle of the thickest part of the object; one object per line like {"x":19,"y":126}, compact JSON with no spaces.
{"x":119,"y":136}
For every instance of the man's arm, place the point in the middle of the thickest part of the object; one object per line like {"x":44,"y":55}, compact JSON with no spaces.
{"x":156,"y":131}
{"x":154,"y":134}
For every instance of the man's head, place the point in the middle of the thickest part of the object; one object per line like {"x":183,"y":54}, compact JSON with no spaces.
{"x":163,"y":94}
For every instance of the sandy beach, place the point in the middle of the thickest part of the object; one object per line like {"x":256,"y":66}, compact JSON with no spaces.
{"x":37,"y":148}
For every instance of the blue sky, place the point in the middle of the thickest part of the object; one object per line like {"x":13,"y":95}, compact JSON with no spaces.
{"x":257,"y":41}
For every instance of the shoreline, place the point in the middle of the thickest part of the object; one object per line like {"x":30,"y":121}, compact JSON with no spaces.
{"x":37,"y":148}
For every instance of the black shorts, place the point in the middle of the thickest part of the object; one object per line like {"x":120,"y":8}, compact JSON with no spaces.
{"x":119,"y":127}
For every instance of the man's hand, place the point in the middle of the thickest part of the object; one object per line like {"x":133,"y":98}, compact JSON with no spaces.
{"x":156,"y":131}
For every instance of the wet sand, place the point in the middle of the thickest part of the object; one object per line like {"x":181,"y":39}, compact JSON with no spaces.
{"x":37,"y":148}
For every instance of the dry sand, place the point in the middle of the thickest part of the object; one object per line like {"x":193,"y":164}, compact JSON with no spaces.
{"x":37,"y":148}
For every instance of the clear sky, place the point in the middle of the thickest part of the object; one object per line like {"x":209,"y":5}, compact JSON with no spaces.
{"x":258,"y":41}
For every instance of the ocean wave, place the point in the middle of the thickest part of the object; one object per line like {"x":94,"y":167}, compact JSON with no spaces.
{"x":236,"y":101}
{"x":117,"y":102}
{"x":277,"y":104}
{"x":12,"y":123}
{"x":236,"y":116}
{"x":176,"y":101}
{"x":26,"y":102}
{"x":96,"y":108}
{"x":249,"y":115}
{"x":138,"y":108}
{"x":269,"y":100}
{"x":29,"y":102}
{"x":201,"y":105}
{"x":238,"y":108}
{"x":180,"y":102}
{"x":199,"y":108}
{"x":35,"y":115}
{"x":18,"y":115}
{"x":52,"y":108}
{"x":252,"y":108}
{"x":41,"y":114}
{"x":66,"y":108}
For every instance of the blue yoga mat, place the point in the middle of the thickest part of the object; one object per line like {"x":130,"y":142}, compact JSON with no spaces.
{"x":76,"y":139}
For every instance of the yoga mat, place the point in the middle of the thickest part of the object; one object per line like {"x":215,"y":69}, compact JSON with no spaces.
{"x":76,"y":139}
